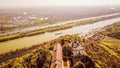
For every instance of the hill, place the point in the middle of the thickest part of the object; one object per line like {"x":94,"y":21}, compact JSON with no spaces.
{"x":101,"y":53}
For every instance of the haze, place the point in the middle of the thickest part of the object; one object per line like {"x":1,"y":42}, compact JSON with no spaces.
{"x":40,"y":3}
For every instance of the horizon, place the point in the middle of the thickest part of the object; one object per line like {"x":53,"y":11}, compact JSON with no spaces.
{"x":55,"y":3}
{"x":36,"y":7}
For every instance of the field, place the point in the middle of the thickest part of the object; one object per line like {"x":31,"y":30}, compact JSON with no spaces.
{"x":111,"y":42}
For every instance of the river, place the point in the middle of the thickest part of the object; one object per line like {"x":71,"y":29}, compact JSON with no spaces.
{"x":37,"y":39}
{"x":51,"y":25}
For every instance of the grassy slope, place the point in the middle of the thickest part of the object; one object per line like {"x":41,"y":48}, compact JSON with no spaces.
{"x":106,"y":53}
{"x":103,"y":56}
{"x":112,"y":30}
{"x":112,"y":37}
{"x":112,"y":43}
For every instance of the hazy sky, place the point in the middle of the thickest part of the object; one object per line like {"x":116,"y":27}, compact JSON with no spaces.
{"x":32,"y":3}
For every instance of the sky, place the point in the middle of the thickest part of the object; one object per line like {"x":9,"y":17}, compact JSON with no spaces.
{"x":39,"y":3}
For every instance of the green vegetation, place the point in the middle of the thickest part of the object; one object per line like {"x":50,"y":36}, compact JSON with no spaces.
{"x":39,"y":58}
{"x":51,"y":29}
{"x":18,"y":52}
{"x":79,"y":65}
{"x":97,"y":56}
{"x":84,"y":61}
{"x":67,"y":50}
{"x":112,"y":38}
{"x":112,"y":30}
{"x":112,"y":43}
{"x":101,"y":55}
{"x":106,"y":53}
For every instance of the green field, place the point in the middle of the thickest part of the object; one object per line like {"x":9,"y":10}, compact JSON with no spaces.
{"x":112,"y":43}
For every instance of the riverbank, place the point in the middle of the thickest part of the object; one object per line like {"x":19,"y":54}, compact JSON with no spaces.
{"x":37,"y":39}
{"x":56,"y":28}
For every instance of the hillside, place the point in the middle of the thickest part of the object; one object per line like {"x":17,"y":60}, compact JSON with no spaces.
{"x":105,"y":51}
{"x":112,"y":30}
{"x":101,"y":53}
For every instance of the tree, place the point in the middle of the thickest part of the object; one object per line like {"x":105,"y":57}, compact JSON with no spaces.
{"x":67,"y":50}
{"x":79,"y":65}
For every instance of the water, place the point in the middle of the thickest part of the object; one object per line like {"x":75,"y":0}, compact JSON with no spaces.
{"x":52,"y":25}
{"x":37,"y":39}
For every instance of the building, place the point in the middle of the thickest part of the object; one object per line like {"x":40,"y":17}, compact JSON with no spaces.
{"x":57,"y":60}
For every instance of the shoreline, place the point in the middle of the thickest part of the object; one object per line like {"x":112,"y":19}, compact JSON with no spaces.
{"x":57,"y":27}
